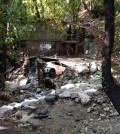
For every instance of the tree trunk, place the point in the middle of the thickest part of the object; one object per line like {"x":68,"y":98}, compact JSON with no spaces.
{"x":108,"y":43}
{"x":110,"y":87}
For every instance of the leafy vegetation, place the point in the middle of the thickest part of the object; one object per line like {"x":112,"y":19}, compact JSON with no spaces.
{"x":21,"y":18}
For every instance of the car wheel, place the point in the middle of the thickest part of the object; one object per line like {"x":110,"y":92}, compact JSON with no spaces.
{"x":52,"y":72}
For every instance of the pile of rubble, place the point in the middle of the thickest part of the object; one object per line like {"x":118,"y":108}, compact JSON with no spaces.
{"x":70,"y":84}
{"x":32,"y":102}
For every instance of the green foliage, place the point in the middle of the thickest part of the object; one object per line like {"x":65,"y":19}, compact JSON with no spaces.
{"x":21,"y":18}
{"x":16,"y":22}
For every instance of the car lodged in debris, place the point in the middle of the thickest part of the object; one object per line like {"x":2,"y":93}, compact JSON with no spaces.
{"x":54,"y":68}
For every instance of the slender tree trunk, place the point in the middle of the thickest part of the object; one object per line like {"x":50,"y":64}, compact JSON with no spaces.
{"x":108,"y":43}
{"x":111,"y":88}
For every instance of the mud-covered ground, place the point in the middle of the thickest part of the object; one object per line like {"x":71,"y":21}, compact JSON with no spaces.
{"x":68,"y":117}
{"x":63,"y":115}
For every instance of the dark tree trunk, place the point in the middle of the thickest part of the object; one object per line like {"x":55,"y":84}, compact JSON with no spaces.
{"x":108,"y":43}
{"x":111,"y":88}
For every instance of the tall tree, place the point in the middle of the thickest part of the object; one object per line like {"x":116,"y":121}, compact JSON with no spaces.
{"x":108,"y":42}
{"x":109,"y":84}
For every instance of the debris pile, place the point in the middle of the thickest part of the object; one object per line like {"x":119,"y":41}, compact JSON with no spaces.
{"x":32,"y":102}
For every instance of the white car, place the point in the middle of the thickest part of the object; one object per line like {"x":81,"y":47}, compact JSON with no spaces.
{"x":56,"y":66}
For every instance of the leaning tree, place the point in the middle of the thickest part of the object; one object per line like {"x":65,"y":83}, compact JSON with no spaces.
{"x":112,"y":89}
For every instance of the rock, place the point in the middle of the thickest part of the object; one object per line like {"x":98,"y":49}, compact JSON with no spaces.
{"x":44,"y":93}
{"x":4,"y":109}
{"x":23,"y":82}
{"x":65,"y":94}
{"x":34,"y":83}
{"x":101,"y":100}
{"x":114,"y":114}
{"x":62,"y":76}
{"x":50,"y":98}
{"x":39,"y":90}
{"x":10,"y":85}
{"x":89,"y":109}
{"x":76,"y":74}
{"x":42,"y":111}
{"x":84,"y":98}
{"x":21,"y":98}
{"x":25,"y":87}
{"x":53,"y":92}
{"x":74,"y":95}
{"x":29,"y":102}
{"x":77,"y":100}
{"x":68,"y":86}
{"x":2,"y":128}
{"x":93,"y":67}
{"x":90,"y":91}
{"x":106,"y":109}
{"x":40,"y":116}
{"x":26,"y":125}
{"x":82,"y":68}
{"x":70,"y":81}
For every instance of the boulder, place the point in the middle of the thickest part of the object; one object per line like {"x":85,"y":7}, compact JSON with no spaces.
{"x":50,"y":98}
{"x":93,"y":67}
{"x":84,"y":98}
{"x":41,"y":111}
{"x":23,"y":82}
{"x":10,"y":85}
{"x":65,"y":94}
{"x":68,"y":86}
{"x":2,"y":128}
{"x":25,"y":87}
{"x":82,"y":68}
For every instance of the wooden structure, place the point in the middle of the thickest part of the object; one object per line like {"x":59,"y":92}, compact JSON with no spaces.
{"x":71,"y":47}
